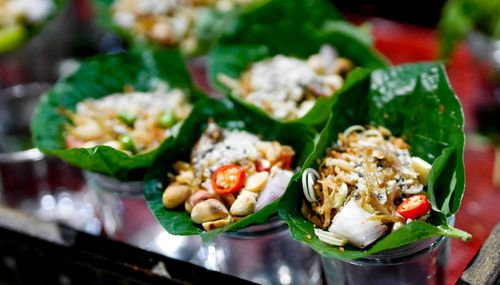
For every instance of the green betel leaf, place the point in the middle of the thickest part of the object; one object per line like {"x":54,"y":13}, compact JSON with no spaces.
{"x":414,"y":101}
{"x":308,"y":26}
{"x":97,"y":78}
{"x":227,"y":115}
{"x":258,"y":23}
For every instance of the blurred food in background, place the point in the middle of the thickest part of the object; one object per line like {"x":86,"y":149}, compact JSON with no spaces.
{"x":287,"y":87}
{"x":21,"y":18}
{"x":477,"y":22}
{"x":191,"y":25}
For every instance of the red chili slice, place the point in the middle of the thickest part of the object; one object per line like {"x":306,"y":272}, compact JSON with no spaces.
{"x":228,"y":179}
{"x":414,"y":207}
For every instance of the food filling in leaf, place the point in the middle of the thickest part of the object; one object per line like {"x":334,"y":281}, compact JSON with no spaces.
{"x":231,"y":175}
{"x":287,"y":87}
{"x":167,"y":22}
{"x":16,"y":12}
{"x":366,"y":186}
{"x":133,"y":122}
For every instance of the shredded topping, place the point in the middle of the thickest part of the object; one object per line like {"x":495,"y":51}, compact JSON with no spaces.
{"x":370,"y":167}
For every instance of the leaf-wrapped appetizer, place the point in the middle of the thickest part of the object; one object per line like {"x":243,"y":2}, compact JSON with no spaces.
{"x":190,"y":25}
{"x":194,"y":26}
{"x":387,"y":169}
{"x":20,"y":19}
{"x":229,"y":169}
{"x":113,"y":114}
{"x":287,"y":69}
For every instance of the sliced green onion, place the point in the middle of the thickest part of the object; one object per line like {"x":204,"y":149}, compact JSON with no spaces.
{"x":330,"y":238}
{"x":127,"y":118}
{"x":166,"y":119}
{"x":127,"y":143}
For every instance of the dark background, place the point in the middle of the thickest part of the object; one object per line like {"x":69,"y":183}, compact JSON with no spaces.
{"x":423,"y":13}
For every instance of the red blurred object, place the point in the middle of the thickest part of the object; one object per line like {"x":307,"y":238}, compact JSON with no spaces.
{"x":402,"y":43}
{"x":83,"y":9}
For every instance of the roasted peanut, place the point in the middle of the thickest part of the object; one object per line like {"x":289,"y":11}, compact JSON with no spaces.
{"x":212,"y":225}
{"x":257,"y":181}
{"x":188,"y":207}
{"x":208,"y":210}
{"x":185,"y":177}
{"x":315,"y":62}
{"x":181,"y":165}
{"x":270,"y":150}
{"x":244,"y":204}
{"x":228,"y":199}
{"x":342,"y":66}
{"x":175,"y":195}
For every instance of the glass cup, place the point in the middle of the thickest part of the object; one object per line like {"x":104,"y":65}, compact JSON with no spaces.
{"x":125,"y":216}
{"x":264,"y":254}
{"x":26,"y":173}
{"x":421,"y":262}
{"x":30,"y":181}
{"x":23,"y":169}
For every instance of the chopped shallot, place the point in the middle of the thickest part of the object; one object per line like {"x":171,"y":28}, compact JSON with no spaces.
{"x":353,"y":223}
{"x":274,"y":188}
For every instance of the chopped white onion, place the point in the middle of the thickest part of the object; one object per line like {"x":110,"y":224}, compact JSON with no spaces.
{"x":353,"y":223}
{"x":275,"y":187}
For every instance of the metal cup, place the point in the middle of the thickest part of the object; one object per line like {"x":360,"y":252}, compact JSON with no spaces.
{"x":125,"y":216}
{"x":265,"y":254}
{"x":420,"y":262}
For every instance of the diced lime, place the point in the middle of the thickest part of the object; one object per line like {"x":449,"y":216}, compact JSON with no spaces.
{"x":127,"y":143}
{"x":166,"y":119}
{"x":127,"y":118}
{"x":12,"y":37}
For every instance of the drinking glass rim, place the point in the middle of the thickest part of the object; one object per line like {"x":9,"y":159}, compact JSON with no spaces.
{"x":272,"y":226}
{"x":404,"y":253}
{"x":22,"y":92}
{"x":114,"y":186}
{"x":17,"y":91}
{"x":32,"y":154}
